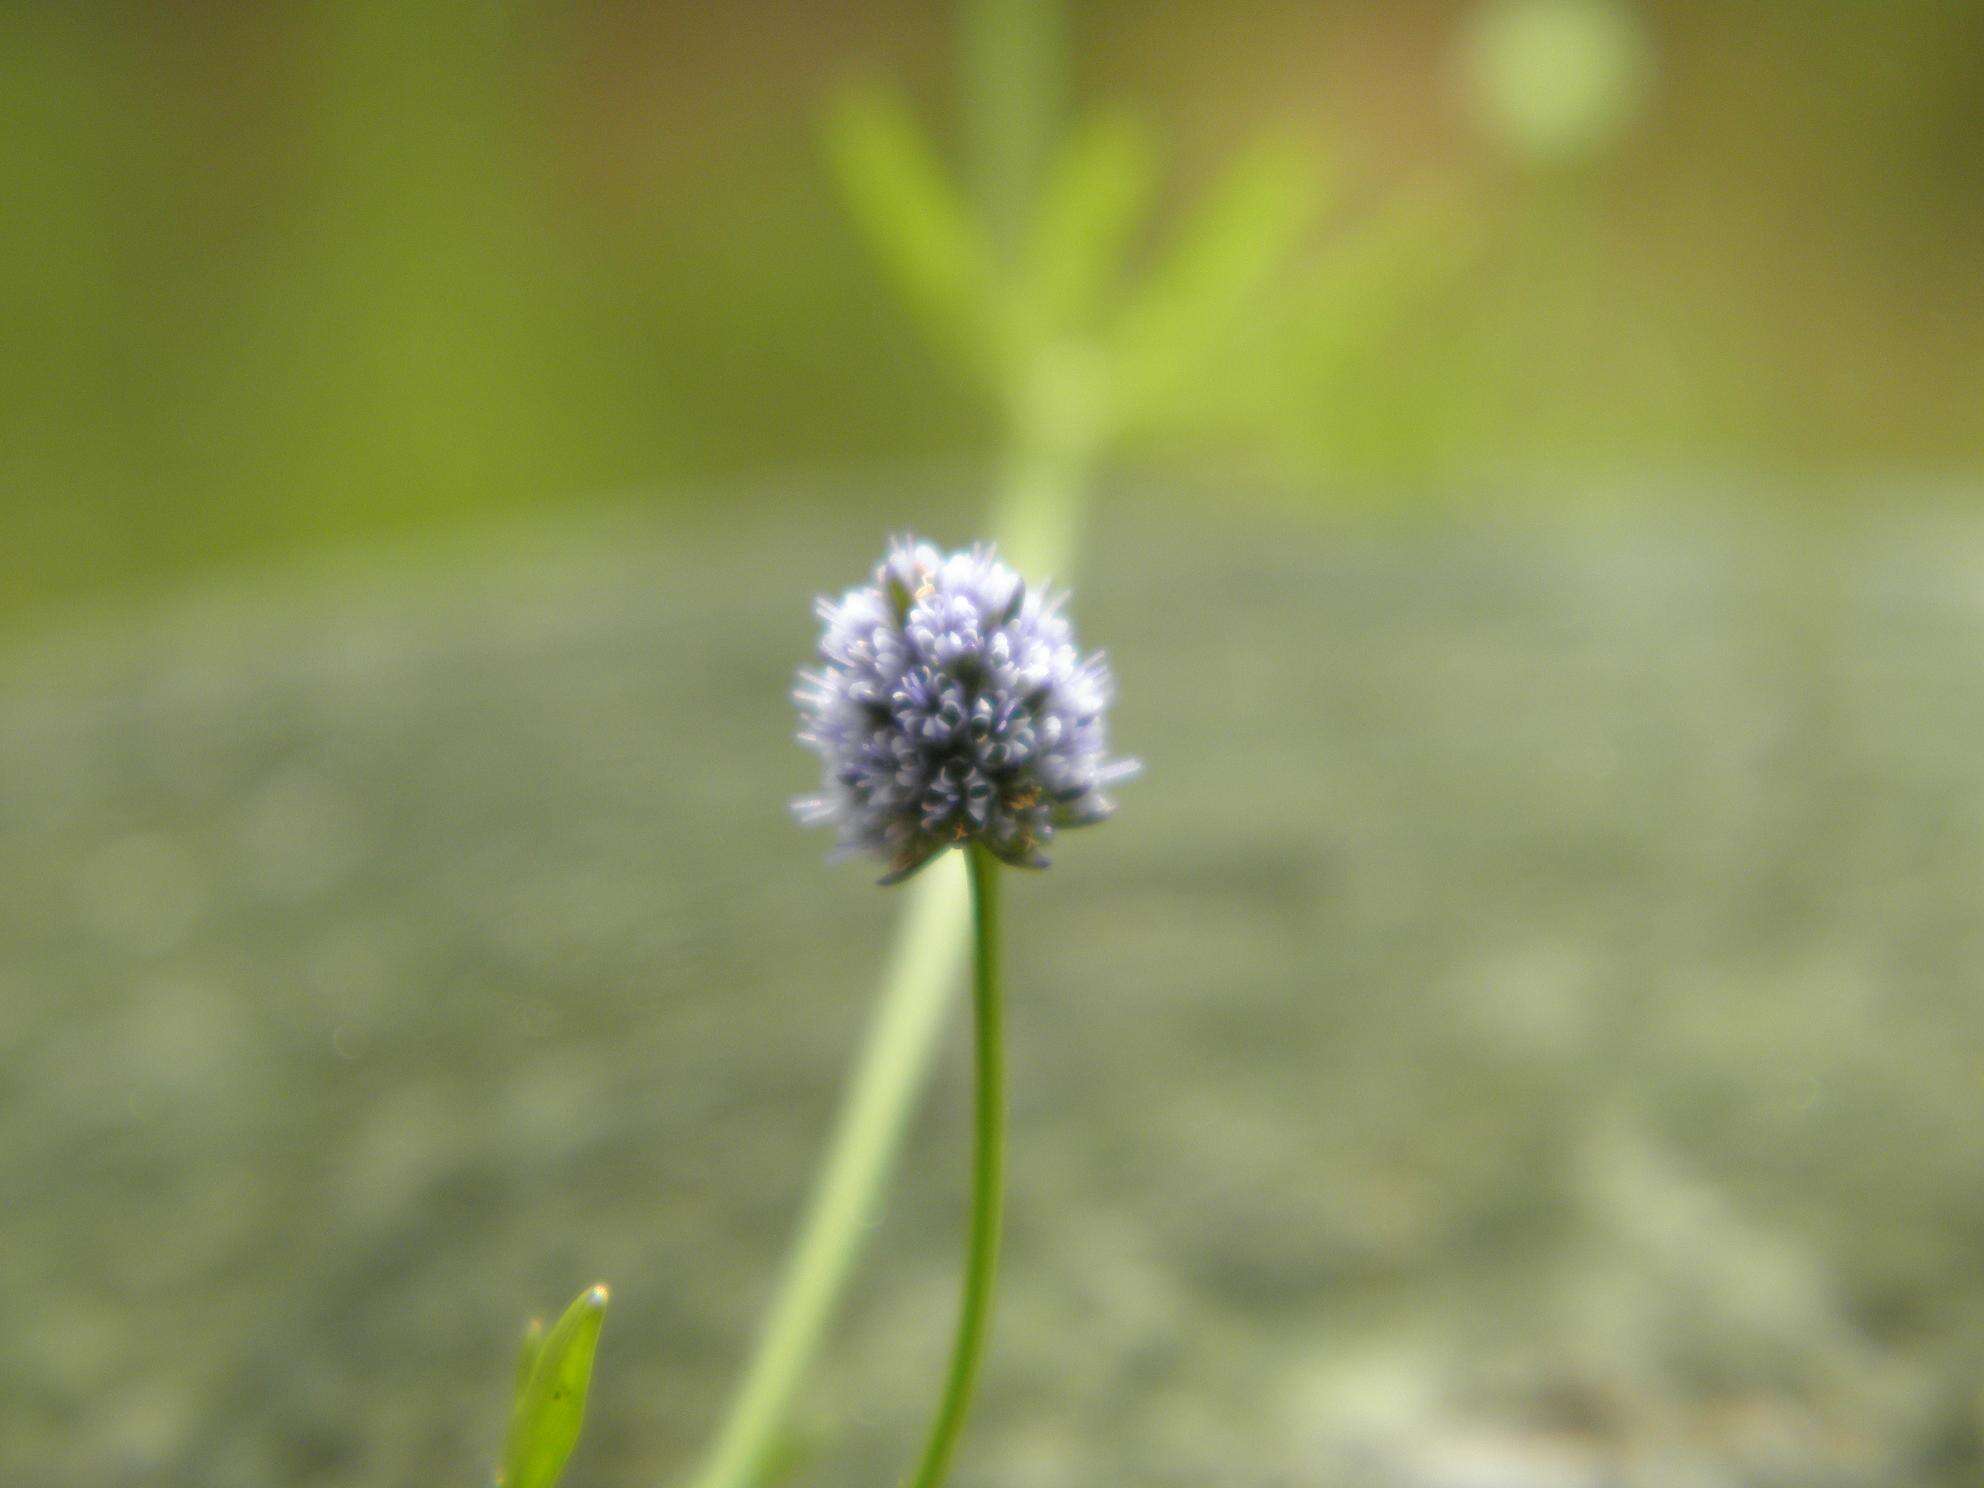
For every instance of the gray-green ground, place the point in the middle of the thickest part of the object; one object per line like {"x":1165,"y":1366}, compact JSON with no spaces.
{"x":1523,"y":1031}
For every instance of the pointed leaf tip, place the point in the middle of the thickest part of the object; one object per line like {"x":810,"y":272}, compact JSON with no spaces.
{"x":554,"y":1375}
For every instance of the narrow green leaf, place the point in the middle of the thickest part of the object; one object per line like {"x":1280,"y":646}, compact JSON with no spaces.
{"x":917,"y":223}
{"x":551,"y":1399}
{"x":1225,"y":257}
{"x":1353,"y":370}
{"x":1339,"y":308}
{"x":1098,"y":189}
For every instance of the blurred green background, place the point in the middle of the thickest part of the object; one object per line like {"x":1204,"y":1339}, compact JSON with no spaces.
{"x":1523,"y":1031}
{"x":279,"y":274}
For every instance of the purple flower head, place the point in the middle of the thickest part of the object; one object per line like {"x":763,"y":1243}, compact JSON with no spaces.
{"x":952,"y":706}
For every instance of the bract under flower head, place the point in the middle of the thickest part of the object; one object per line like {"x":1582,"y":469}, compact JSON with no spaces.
{"x":953,"y":707}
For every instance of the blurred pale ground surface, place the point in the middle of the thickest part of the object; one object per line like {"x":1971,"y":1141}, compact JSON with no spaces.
{"x":1522,"y":1032}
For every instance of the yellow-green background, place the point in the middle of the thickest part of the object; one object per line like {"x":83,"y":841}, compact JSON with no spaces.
{"x":1524,"y":1027}
{"x":276,"y":274}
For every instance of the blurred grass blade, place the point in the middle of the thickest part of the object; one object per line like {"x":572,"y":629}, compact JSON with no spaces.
{"x":1303,"y":377}
{"x":1226,"y":254}
{"x":918,"y":224}
{"x":1097,"y":191}
{"x":551,"y":1394}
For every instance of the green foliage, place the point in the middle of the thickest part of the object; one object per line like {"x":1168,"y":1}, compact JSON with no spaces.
{"x":1234,"y":327}
{"x":930,"y":245}
{"x":1300,"y":382}
{"x":299,"y":277}
{"x":1224,"y":258}
{"x":554,"y":1372}
{"x":1097,"y":192}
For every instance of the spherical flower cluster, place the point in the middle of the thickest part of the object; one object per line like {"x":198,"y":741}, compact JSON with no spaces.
{"x":953,"y":707}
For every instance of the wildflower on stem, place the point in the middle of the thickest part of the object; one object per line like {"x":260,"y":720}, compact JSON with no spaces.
{"x":953,"y":707}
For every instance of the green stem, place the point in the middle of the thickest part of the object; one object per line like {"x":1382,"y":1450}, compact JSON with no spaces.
{"x":1036,"y":520}
{"x":987,"y":1176}
{"x":1037,"y":517}
{"x":1014,"y":67}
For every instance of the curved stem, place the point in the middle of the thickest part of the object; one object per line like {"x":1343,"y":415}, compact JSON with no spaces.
{"x":987,"y":1175}
{"x":1037,"y":516}
{"x":1036,"y":519}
